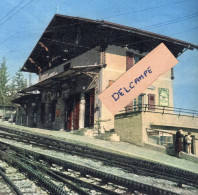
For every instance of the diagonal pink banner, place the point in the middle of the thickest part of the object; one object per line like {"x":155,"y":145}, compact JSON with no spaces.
{"x":135,"y":81}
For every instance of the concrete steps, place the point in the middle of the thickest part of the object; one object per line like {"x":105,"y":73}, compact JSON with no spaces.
{"x":107,"y":135}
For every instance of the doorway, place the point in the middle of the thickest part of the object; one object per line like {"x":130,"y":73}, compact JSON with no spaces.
{"x":89,"y":108}
{"x":72,"y":108}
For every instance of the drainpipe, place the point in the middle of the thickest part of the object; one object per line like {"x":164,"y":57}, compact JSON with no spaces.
{"x":103,"y":62}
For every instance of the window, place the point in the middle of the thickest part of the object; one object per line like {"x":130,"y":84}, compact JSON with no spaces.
{"x":129,"y":60}
{"x":135,"y":104}
{"x":34,"y":117}
{"x":151,"y":101}
{"x":163,"y":97}
{"x":140,"y":102}
{"x":165,"y":139}
{"x":132,"y":59}
{"x":136,"y":58}
{"x":172,"y":73}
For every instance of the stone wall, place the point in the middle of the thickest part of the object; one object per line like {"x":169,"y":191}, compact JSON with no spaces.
{"x":129,"y":127}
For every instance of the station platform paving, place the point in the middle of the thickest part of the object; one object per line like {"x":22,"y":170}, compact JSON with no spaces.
{"x":115,"y":147}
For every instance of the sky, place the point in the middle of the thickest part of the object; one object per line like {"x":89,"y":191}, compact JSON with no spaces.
{"x":22,"y":23}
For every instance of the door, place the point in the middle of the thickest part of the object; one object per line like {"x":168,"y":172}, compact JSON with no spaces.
{"x":72,"y":112}
{"x":89,"y":108}
{"x":76,"y":111}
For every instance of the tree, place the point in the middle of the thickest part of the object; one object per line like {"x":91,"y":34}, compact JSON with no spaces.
{"x":18,"y":83}
{"x":4,"y":84}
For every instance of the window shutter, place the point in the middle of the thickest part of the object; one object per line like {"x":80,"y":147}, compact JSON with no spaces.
{"x":129,"y":60}
{"x":151,"y":101}
{"x":129,"y":107}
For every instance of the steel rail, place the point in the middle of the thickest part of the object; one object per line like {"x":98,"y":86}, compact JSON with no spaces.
{"x":67,"y":179}
{"x":10,"y":182}
{"x":130,"y":184}
{"x":130,"y":163}
{"x":39,"y":176}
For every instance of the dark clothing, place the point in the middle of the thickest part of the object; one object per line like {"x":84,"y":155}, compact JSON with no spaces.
{"x":184,"y":143}
{"x":178,"y":142}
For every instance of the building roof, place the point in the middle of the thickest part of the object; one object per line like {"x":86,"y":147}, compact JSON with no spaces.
{"x":62,"y":77}
{"x":23,"y":99}
{"x":67,"y":37}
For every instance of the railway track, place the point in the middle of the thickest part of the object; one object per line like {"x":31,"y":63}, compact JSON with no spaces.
{"x":14,"y":182}
{"x":135,"y":165}
{"x":52,"y":144}
{"x":7,"y":185}
{"x":90,"y":180}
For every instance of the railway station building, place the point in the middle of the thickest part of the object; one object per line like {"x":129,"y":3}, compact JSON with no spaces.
{"x":78,"y":58}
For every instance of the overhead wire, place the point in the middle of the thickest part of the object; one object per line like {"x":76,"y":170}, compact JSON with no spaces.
{"x":133,"y":11}
{"x":13,"y":51}
{"x":148,"y":27}
{"x":12,"y":10}
{"x":38,"y":30}
{"x":172,"y":21}
{"x":141,"y":10}
{"x":16,"y":12}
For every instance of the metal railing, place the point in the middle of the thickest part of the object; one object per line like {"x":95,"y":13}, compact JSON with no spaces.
{"x":160,"y":109}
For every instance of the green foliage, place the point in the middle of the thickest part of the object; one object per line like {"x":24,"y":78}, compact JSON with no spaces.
{"x":10,"y":87}
{"x":18,"y":83}
{"x":4,"y":86}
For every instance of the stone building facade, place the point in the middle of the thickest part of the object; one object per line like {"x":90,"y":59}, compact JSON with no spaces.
{"x":78,"y":61}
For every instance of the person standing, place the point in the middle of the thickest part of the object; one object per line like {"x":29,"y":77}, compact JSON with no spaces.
{"x":179,"y":142}
{"x":188,"y":140}
{"x":185,"y":144}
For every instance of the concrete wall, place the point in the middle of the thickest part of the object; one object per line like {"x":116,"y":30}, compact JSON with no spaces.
{"x":129,"y":128}
{"x":164,"y":81}
{"x":91,"y":57}
{"x":172,"y":122}
{"x":116,"y":66}
{"x":52,"y":72}
{"x":134,"y":124}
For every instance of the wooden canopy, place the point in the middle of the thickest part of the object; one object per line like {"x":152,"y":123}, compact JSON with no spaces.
{"x":67,"y":37}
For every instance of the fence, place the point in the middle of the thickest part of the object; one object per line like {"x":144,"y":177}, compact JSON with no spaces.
{"x":160,"y":109}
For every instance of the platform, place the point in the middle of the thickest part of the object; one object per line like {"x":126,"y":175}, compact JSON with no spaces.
{"x":115,"y":147}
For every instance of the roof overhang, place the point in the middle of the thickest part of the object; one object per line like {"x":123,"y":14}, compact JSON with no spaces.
{"x":62,"y":77}
{"x":25,"y":98}
{"x":67,"y":37}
